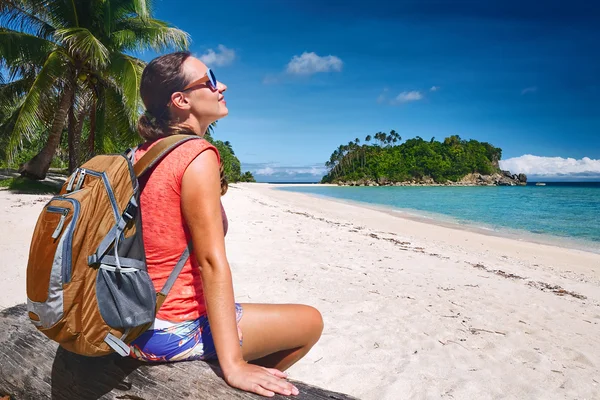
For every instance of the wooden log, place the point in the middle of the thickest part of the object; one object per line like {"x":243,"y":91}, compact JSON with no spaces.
{"x":34,"y":367}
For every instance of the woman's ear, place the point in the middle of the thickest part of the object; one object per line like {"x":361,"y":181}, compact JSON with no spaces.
{"x":180,"y":101}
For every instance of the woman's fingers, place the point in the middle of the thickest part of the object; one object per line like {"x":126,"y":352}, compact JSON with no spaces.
{"x":258,"y":389}
{"x":277,"y":373}
{"x":263,"y":381}
{"x":281,"y":384}
{"x":277,"y":385}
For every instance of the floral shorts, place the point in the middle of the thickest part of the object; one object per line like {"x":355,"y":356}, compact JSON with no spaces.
{"x":184,"y":341}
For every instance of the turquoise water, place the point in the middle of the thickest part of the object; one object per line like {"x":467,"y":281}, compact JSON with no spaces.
{"x":557,"y":210}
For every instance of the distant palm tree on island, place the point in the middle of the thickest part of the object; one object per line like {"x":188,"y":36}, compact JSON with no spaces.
{"x":418,"y":161}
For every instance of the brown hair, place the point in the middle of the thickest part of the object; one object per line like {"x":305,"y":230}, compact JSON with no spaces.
{"x":161,"y":78}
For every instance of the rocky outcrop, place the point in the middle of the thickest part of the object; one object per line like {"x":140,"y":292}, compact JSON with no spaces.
{"x":503,"y":178}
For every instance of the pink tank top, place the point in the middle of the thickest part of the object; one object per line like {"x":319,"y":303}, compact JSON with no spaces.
{"x":166,"y":234}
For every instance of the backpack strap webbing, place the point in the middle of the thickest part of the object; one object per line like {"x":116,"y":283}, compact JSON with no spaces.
{"x":162,"y":295}
{"x":158,"y":151}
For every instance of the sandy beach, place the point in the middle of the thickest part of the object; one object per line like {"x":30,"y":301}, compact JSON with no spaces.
{"x":412,"y":310}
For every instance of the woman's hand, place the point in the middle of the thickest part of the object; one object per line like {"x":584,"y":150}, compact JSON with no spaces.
{"x":263,"y":381}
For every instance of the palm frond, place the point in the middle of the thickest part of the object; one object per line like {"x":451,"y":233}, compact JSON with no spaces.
{"x":26,"y":16}
{"x":63,"y":13}
{"x":137,"y":34}
{"x":21,"y":52}
{"x":8,"y":115}
{"x":141,"y":9}
{"x":114,"y":129}
{"x":31,"y":112}
{"x":127,"y":74}
{"x":15,"y":89}
{"x":82,"y":43}
{"x":113,"y":120}
{"x":107,"y":14}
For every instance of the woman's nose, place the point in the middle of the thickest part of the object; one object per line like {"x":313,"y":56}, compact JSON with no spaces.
{"x":221,"y":87}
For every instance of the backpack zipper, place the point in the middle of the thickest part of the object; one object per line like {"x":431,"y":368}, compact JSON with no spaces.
{"x":80,"y":179}
{"x":70,"y":185}
{"x":107,"y":187}
{"x":61,"y":222}
{"x":67,"y":255}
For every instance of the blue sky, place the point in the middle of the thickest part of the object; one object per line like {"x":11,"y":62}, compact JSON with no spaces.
{"x":305,"y":76}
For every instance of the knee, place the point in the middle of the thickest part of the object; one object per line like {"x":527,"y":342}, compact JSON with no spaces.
{"x":315,"y":322}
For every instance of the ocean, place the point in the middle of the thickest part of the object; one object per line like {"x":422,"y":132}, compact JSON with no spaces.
{"x":560,"y":213}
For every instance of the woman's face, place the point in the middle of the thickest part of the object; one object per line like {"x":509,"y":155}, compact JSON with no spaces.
{"x":207,"y":104}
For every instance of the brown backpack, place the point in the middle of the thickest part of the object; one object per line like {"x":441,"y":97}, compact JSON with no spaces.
{"x":87,"y":284}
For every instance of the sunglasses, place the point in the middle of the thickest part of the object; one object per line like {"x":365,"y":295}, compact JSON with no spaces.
{"x":209,"y":78}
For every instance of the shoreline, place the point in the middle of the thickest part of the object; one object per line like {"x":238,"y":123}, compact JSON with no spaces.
{"x":427,"y":230}
{"x":447,"y":221}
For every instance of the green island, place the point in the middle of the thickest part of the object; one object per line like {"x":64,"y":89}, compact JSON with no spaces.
{"x":381,"y":161}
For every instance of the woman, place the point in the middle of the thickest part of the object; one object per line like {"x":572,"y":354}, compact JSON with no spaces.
{"x":181,"y":200}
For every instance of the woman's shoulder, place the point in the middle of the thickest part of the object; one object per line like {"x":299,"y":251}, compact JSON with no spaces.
{"x":191,"y":148}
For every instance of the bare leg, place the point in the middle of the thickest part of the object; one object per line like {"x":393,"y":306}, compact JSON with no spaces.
{"x":278,"y":335}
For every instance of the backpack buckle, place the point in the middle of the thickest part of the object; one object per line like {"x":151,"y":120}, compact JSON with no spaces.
{"x":129,"y":212}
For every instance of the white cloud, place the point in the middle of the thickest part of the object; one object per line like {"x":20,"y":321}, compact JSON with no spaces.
{"x":264,"y":171}
{"x":223,"y":56}
{"x":274,"y":172}
{"x":531,"y":89}
{"x":406,"y":97}
{"x":434,"y":88}
{"x":314,"y":170}
{"x":552,"y":166}
{"x":311,"y":63}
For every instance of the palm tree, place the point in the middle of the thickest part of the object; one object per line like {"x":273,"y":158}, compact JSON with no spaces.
{"x":227,"y":143}
{"x":368,"y":138}
{"x":380,"y":136}
{"x":68,"y":60}
{"x":395,"y":136}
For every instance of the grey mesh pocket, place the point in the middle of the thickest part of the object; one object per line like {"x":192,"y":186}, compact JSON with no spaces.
{"x":126,"y":297}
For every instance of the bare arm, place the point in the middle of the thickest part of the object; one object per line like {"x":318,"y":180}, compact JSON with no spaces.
{"x":200,"y":197}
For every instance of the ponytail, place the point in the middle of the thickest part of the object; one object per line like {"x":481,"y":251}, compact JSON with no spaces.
{"x":224,"y":183}
{"x":150,"y":128}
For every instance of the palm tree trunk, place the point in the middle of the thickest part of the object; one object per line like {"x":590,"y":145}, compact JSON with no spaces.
{"x":38,"y":166}
{"x":75,"y":129}
{"x":71,"y":126}
{"x":91,"y":144}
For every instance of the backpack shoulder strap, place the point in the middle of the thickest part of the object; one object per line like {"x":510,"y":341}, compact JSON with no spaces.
{"x":158,"y":151}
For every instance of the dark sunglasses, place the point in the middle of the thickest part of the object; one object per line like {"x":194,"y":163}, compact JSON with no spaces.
{"x":209,"y":78}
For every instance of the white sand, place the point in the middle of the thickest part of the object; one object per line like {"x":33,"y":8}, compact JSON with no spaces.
{"x":411,"y":310}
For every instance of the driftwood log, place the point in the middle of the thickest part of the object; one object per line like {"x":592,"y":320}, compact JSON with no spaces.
{"x":34,"y":367}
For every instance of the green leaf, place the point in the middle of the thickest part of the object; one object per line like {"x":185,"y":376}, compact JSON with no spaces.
{"x":20,"y":52}
{"x":134,"y":34}
{"x":141,"y":9}
{"x":26,"y":16}
{"x":29,"y":117}
{"x":13,"y":90}
{"x":81,"y":42}
{"x":127,"y":73}
{"x":108,"y":17}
